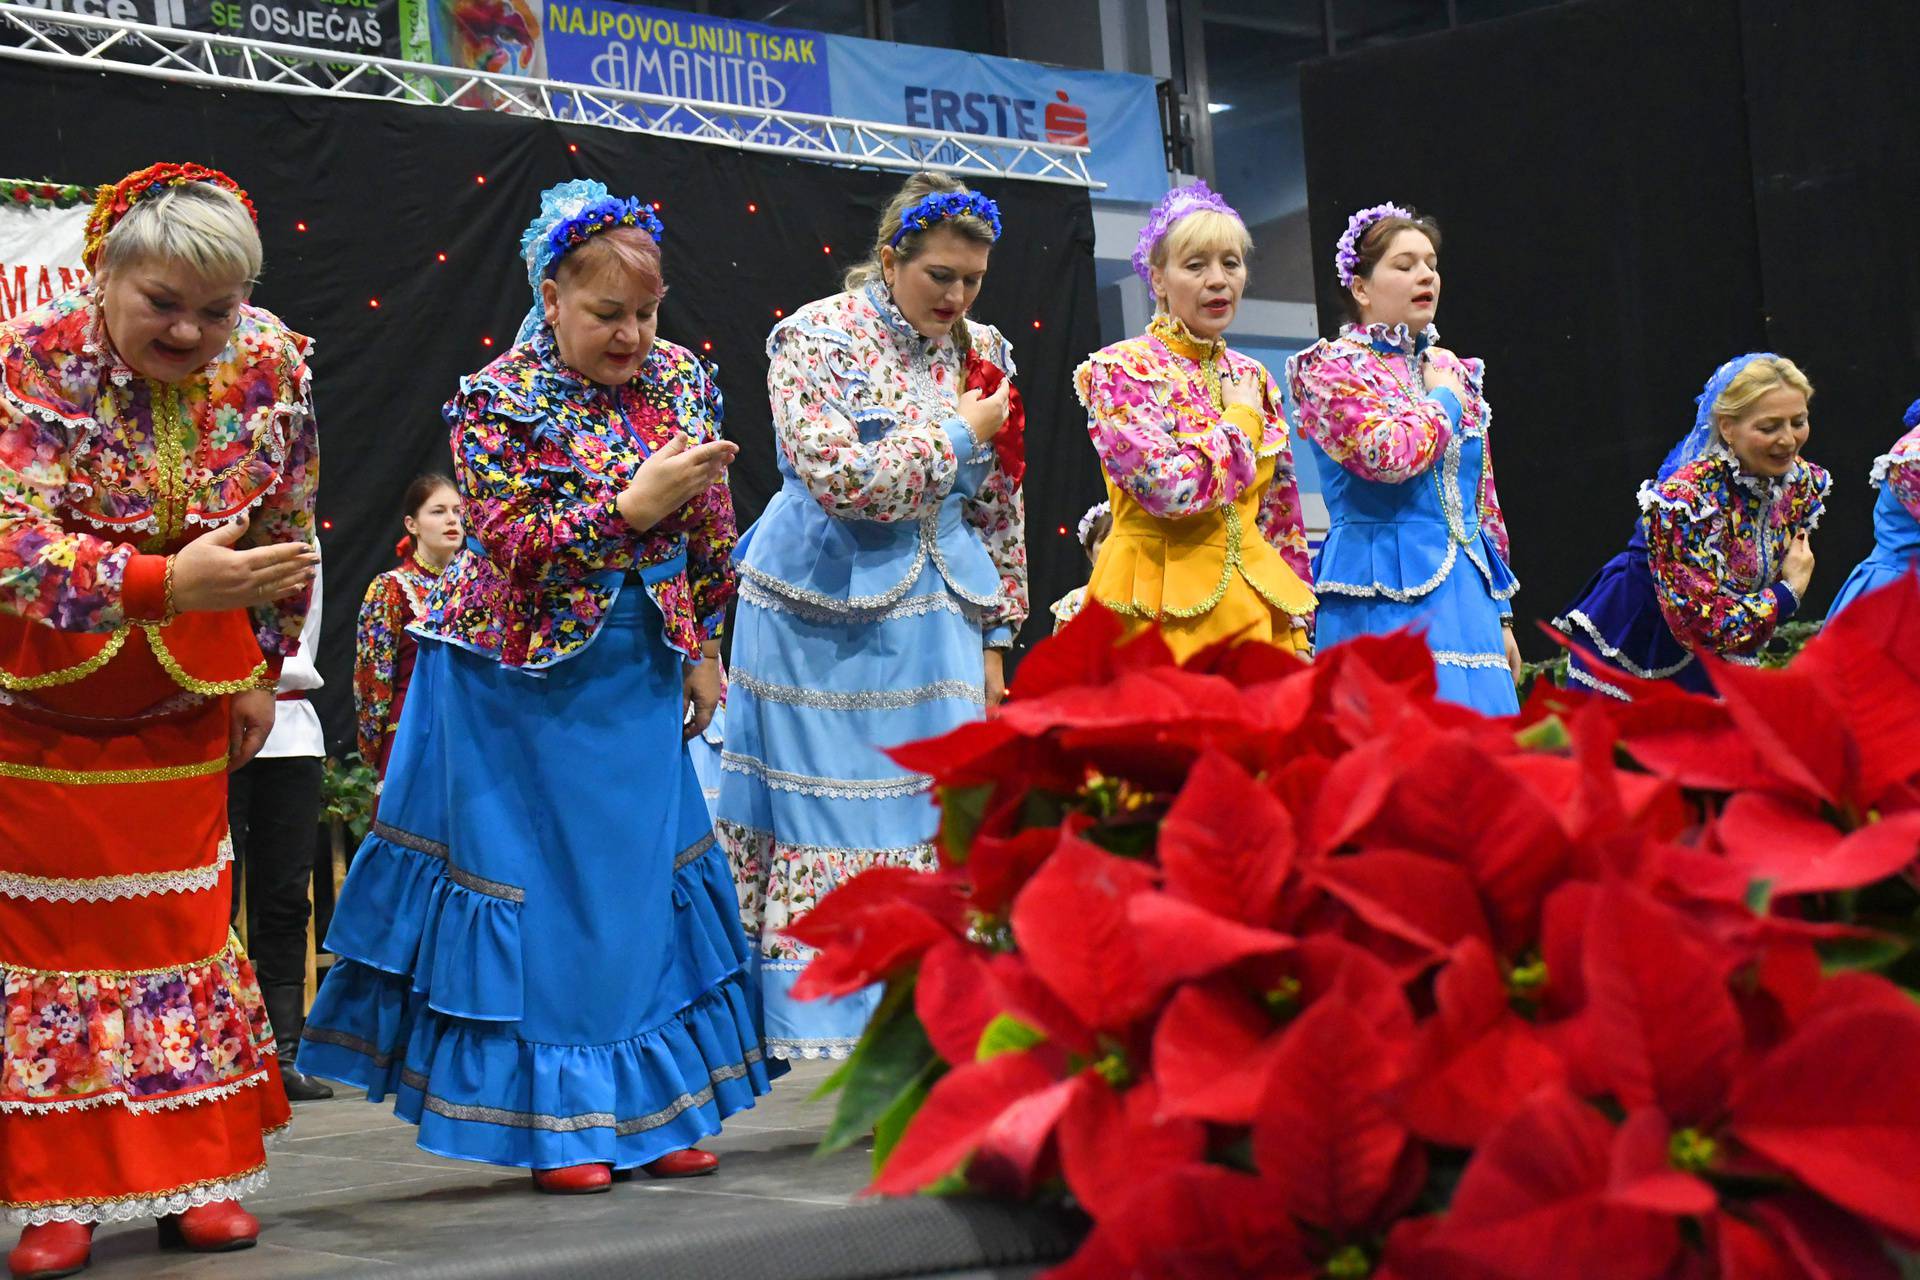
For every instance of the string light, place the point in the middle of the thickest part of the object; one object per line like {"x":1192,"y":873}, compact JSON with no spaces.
{"x":299,"y":226}
{"x":1063,"y":531}
{"x":486,"y":342}
{"x":442,"y":256}
{"x":826,"y":248}
{"x":752,"y":207}
{"x":1036,"y":324}
{"x":374,"y":303}
{"x":480,"y":178}
{"x":707,"y":345}
{"x":573,"y":147}
{"x":325,"y":525}
{"x":778,"y":313}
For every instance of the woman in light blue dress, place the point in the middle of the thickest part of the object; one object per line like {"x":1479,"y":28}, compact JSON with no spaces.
{"x":877,"y":590}
{"x":1896,"y":518}
{"x":1398,"y":428}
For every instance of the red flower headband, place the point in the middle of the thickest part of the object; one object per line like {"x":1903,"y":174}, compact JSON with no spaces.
{"x":113,"y":202}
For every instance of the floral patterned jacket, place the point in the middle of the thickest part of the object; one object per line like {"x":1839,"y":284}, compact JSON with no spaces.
{"x":1356,"y":403}
{"x":866,"y":417}
{"x":541,"y":454}
{"x":103,"y":471}
{"x":1716,"y":538}
{"x":1150,"y":413}
{"x":393,"y":601}
{"x":1898,"y":469}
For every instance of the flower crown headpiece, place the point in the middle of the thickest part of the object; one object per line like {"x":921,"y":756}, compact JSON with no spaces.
{"x":1195,"y":197}
{"x":1346,"y":257}
{"x":1092,"y":518}
{"x":114,"y":202}
{"x":945,"y":206}
{"x":571,"y":213}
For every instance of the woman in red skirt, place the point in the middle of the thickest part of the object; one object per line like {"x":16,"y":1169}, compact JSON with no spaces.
{"x":157,"y":469}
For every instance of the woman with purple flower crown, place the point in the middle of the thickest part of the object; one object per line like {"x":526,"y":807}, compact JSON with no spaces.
{"x":1206,"y":540}
{"x":1398,"y":427}
{"x":540,"y":954}
{"x":878,"y":588}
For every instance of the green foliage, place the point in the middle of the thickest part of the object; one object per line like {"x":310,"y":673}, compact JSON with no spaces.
{"x":347,"y":793}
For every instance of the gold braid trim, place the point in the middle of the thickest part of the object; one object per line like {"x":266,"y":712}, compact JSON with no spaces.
{"x":110,"y":777}
{"x":68,"y":675}
{"x":1131,"y":609}
{"x":171,"y":665}
{"x":231,"y":951}
{"x":186,"y":1189}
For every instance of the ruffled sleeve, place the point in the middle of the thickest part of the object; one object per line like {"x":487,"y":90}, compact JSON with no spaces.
{"x":1171,"y":463}
{"x":998,"y":513}
{"x":541,"y":524}
{"x":1478,"y":415}
{"x":1282,"y":522}
{"x":376,"y":638}
{"x":1349,"y":407}
{"x":1899,"y":470}
{"x":70,"y":581}
{"x":712,"y":531}
{"x":285,"y":514}
{"x":891,"y":470}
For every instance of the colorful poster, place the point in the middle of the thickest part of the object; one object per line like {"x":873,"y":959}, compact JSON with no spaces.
{"x":1118,"y":115}
{"x":503,"y":36}
{"x":39,"y":246}
{"x":641,"y":50}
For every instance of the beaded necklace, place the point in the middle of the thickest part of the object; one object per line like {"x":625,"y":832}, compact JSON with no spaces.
{"x":1452,"y":503}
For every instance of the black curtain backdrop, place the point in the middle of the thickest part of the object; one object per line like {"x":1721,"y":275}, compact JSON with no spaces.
{"x":1630,"y":192}
{"x":383,"y":190}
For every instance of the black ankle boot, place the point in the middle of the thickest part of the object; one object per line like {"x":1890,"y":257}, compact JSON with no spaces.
{"x":284,"y":1010}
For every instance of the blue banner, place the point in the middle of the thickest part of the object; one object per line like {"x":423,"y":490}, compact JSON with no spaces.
{"x":1117,"y":114}
{"x":639,"y":50}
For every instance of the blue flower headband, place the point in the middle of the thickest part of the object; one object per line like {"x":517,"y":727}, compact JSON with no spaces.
{"x":571,"y":213}
{"x":1701,"y":439}
{"x":943,"y":207}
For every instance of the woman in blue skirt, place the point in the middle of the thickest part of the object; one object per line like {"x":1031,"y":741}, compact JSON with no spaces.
{"x":539,"y":949}
{"x":1896,"y":518}
{"x":877,"y":589}
{"x":1398,"y":426}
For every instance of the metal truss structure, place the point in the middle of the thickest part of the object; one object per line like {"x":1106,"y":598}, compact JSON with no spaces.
{"x":84,"y":42}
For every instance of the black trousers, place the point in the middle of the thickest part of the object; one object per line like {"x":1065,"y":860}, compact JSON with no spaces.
{"x":273,"y":807}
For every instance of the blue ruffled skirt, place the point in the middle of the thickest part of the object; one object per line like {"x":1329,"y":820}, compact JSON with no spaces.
{"x":1617,"y":618}
{"x":540,"y":955}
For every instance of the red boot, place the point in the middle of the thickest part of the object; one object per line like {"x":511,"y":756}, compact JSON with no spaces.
{"x":683,"y":1164}
{"x":56,"y":1249}
{"x":574,"y":1180}
{"x":219,"y":1227}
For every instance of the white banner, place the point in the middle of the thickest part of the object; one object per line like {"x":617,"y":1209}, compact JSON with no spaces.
{"x":39,"y":255}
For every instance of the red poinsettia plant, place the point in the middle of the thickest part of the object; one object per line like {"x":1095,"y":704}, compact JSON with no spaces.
{"x":1289,"y":970}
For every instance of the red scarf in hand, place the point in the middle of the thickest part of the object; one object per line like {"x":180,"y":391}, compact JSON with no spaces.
{"x":1010,"y":445}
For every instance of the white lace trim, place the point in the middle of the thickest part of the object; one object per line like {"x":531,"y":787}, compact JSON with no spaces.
{"x":138,"y":1106}
{"x":160,"y":1206}
{"x":753,"y":593}
{"x":1404,"y":595}
{"x":930,"y":540}
{"x":1577,"y":618}
{"x":791,"y":1050}
{"x":862,"y":699}
{"x":1884,"y":464}
{"x":1579,"y":676}
{"x":832,"y":788}
{"x":842,"y":605}
{"x":115,"y":888}
{"x":1456,"y":658}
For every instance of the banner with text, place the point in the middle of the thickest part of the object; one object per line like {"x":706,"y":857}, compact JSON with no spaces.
{"x":370,"y":27}
{"x":39,"y":252}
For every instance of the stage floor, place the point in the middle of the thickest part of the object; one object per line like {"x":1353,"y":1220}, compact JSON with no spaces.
{"x":349,"y":1191}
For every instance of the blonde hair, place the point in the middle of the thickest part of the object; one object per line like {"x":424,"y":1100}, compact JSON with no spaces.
{"x":196,"y":223}
{"x":1202,"y":231}
{"x":913,"y":191}
{"x":1754,"y":381}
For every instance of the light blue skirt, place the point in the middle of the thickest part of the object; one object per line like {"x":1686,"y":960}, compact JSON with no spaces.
{"x":540,"y":952}
{"x":808,"y":797}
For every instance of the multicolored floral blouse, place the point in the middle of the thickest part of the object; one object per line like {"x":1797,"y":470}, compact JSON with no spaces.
{"x":864,"y":414}
{"x":1716,"y":538}
{"x":541,"y":454}
{"x":1898,"y":469}
{"x":1152,"y":415}
{"x":102,"y":471}
{"x":383,"y":653}
{"x":1360,"y":405}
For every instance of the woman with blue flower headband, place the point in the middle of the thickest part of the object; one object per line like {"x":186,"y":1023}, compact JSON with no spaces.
{"x":539,"y":949}
{"x":1398,"y":429}
{"x":1896,"y":518}
{"x":1721,"y":555}
{"x":879,"y":587}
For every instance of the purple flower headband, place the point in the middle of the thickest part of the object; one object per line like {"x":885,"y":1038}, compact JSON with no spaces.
{"x":1195,"y":197}
{"x":1346,"y":258}
{"x":1092,"y":517}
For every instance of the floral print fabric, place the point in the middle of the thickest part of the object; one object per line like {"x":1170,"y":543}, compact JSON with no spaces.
{"x":393,"y":601}
{"x":98,"y":464}
{"x":1716,"y":539}
{"x":541,"y":454}
{"x":1899,"y":470}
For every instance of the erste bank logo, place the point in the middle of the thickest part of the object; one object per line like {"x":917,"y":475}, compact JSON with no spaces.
{"x":1001,"y":114}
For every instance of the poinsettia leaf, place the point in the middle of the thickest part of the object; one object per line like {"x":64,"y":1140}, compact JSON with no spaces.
{"x":969,"y":753}
{"x":1865,"y":659}
{"x":1663,"y":1025}
{"x":1748,"y":1253}
{"x":1790,"y":845}
{"x":962,"y":810}
{"x":1323,"y":1134}
{"x":1787,"y":716}
{"x":997,"y":866}
{"x":1197,"y":1222}
{"x":873,"y":926}
{"x":1642,"y":1174}
{"x":892,"y":1122}
{"x":1009,"y":1159}
{"x":1872,"y":953}
{"x":954,"y":999}
{"x":1534,"y":1202}
{"x":1081,"y":653}
{"x":1353,"y":791}
{"x":1072,"y":927}
{"x":1178,"y":941}
{"x":892,"y":1055}
{"x":949,"y":1126}
{"x":1227,"y":843}
{"x":1107,"y":1138}
{"x":1421,"y":900}
{"x":1007,"y":1034}
{"x":1835,"y":1105}
{"x":1826,"y":1243}
{"x":1212,"y":1051}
